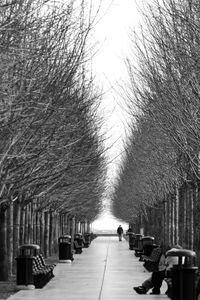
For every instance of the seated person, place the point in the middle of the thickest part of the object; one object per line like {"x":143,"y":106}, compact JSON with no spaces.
{"x":154,"y":282}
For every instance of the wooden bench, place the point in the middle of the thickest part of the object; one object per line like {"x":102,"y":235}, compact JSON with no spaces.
{"x":83,"y":242}
{"x":77,"y":247}
{"x":86,"y":240}
{"x":151,"y":262}
{"x":42,"y":272}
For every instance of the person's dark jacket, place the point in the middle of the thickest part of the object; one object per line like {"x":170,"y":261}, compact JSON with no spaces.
{"x":119,"y":230}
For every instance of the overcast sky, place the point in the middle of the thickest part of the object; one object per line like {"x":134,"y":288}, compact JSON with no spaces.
{"x":112,"y":38}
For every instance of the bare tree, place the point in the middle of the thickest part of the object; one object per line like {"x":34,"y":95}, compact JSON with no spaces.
{"x":164,"y":87}
{"x":48,"y":131}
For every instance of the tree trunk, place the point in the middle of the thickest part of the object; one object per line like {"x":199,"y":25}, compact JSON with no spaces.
{"x":34,"y":222}
{"x":61,"y":224}
{"x":76,"y":226}
{"x":26,"y":224}
{"x":50,"y":246}
{"x":16,"y":226}
{"x":80,"y":227}
{"x":38,"y":228}
{"x":192,"y":217}
{"x":10,"y":239}
{"x":46,"y":234}
{"x":68,"y":225}
{"x":169,"y":220}
{"x":30,"y":223}
{"x":73,"y":231}
{"x":3,"y":246}
{"x":64,"y":224}
{"x":172,"y":219}
{"x":196,"y":240}
{"x":184,"y":228}
{"x":55,"y":233}
{"x":177,"y":216}
{"x":165,"y":218}
{"x":187,"y":229}
{"x":22,"y":226}
{"x":42,"y":231}
{"x":88,"y":226}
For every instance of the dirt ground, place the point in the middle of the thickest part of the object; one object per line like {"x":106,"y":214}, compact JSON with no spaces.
{"x":7,"y":289}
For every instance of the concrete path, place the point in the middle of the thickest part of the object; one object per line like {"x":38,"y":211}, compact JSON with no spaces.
{"x":107,"y":270}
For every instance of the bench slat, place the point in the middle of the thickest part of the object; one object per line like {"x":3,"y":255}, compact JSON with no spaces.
{"x":151,"y":262}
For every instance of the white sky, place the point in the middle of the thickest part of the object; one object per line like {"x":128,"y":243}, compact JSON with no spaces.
{"x":108,"y":222}
{"x":112,"y":36}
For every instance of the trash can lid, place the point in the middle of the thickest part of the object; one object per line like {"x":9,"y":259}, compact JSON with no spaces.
{"x":138,"y":236}
{"x":30,"y":246}
{"x":78,"y":234}
{"x":147,"y":237}
{"x":67,"y":236}
{"x":181,"y":252}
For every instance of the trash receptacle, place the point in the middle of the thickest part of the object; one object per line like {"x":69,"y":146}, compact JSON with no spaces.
{"x":147,"y":242}
{"x":138,"y":244}
{"x":24,"y":274}
{"x":78,"y":243}
{"x":183,"y":274}
{"x":65,"y":250}
{"x":86,"y":241}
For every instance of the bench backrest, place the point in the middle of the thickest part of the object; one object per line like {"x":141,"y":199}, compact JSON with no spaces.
{"x":156,"y":254}
{"x":39,"y":261}
{"x":76,"y":245}
{"x":42,"y":260}
{"x":36,"y":264}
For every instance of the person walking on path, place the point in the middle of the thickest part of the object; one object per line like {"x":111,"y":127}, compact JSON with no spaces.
{"x":120,"y":232}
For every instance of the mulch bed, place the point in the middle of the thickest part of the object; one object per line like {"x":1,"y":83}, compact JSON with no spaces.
{"x":7,"y":288}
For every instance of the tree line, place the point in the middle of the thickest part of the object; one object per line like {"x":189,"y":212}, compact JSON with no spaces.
{"x":51,"y":154}
{"x":157,"y":188}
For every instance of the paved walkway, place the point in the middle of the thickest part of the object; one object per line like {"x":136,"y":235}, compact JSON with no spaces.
{"x":107,"y":270}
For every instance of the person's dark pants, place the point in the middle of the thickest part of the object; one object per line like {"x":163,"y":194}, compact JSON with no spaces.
{"x":120,"y":236}
{"x":157,"y":279}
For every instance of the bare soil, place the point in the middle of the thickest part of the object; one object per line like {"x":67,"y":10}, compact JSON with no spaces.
{"x":7,"y":288}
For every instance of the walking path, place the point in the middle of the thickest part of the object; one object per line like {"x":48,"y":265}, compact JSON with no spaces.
{"x":107,"y":270}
